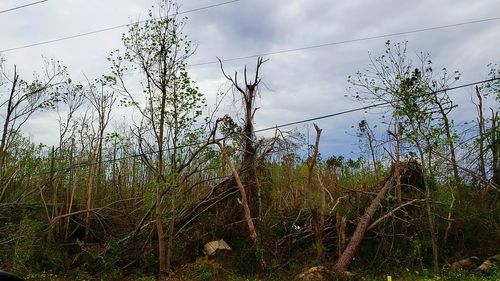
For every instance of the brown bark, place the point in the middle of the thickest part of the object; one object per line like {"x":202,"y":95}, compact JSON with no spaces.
{"x":161,"y":236}
{"x":482,"y":137}
{"x":341,"y":221}
{"x":89,"y":192}
{"x":317,"y":214}
{"x":347,"y":256}
{"x":8,"y":118}
{"x":449,"y":140}
{"x":428,"y":207}
{"x":247,"y":215}
{"x":495,"y":147}
{"x":249,"y":93}
{"x":244,"y":199}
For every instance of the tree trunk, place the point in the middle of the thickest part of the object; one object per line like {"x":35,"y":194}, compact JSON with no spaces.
{"x":89,"y":193}
{"x":432,"y":228}
{"x":482,"y":166}
{"x":161,"y":236}
{"x":428,"y":207}
{"x":171,"y":228}
{"x":10,"y":109}
{"x":495,"y":147}
{"x":449,"y":141}
{"x":247,"y":215}
{"x":317,"y":215}
{"x":347,"y":256}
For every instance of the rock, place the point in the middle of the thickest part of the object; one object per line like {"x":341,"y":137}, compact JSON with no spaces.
{"x":316,"y":273}
{"x":470,"y":263}
{"x":212,"y":247}
{"x":489,"y":263}
{"x":486,"y":265}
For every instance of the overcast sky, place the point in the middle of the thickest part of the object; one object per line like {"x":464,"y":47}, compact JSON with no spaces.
{"x":298,"y":85}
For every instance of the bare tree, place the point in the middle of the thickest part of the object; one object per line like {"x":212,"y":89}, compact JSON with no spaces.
{"x":249,"y":144}
{"x":24,"y":99}
{"x":102,"y":100}
{"x":318,"y":214}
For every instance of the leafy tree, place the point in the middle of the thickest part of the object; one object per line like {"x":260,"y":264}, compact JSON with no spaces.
{"x":489,"y":136}
{"x":169,"y":109}
{"x":365,"y":131}
{"x":419,"y":105}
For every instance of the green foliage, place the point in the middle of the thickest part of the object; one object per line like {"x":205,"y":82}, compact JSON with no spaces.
{"x":26,"y":245}
{"x":42,"y":276}
{"x":493,"y":87}
{"x":145,"y":278}
{"x":204,"y":269}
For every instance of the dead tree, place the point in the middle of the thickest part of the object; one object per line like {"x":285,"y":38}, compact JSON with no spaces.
{"x":23,"y":100}
{"x":318,"y":214}
{"x":249,"y":146}
{"x":247,"y":138}
{"x":479,"y":106}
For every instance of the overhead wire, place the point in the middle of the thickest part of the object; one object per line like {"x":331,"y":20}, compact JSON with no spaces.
{"x":346,"y":41}
{"x":85,"y":164}
{"x":374,"y":105}
{"x":22,"y":6}
{"x":112,"y":27}
{"x":270,"y":53}
{"x":321,"y":45}
{"x":264,"y":53}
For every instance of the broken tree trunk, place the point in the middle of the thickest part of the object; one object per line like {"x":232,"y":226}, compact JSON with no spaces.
{"x":347,"y":255}
{"x":318,"y":214}
{"x":247,"y":215}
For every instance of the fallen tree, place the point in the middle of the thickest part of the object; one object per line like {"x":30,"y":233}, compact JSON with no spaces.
{"x":352,"y":247}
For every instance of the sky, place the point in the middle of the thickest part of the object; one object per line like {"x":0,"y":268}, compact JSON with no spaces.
{"x":296,"y":85}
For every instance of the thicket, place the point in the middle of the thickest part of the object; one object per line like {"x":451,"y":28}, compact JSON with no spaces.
{"x":142,"y":199}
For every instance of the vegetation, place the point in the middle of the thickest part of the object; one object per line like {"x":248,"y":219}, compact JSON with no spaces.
{"x":139,"y":201}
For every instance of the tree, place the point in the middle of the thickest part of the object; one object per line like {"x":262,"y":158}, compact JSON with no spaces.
{"x":169,"y":109}
{"x":345,"y":259}
{"x":102,"y":100}
{"x":419,"y":104}
{"x":489,"y":136}
{"x":249,"y":148}
{"x":366,"y":130}
{"x":318,"y":214}
{"x":24,"y":99}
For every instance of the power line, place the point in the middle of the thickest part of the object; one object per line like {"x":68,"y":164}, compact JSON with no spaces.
{"x":22,"y":6}
{"x":314,"y":46}
{"x":373,"y":105}
{"x":111,"y":28}
{"x":348,"y":41}
{"x":255,"y":55}
{"x":85,"y":164}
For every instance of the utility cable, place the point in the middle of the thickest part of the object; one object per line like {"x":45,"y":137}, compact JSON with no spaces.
{"x":314,"y":46}
{"x":346,"y":41}
{"x":111,"y":28}
{"x":374,"y":105}
{"x":22,"y":6}
{"x":262,"y":54}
